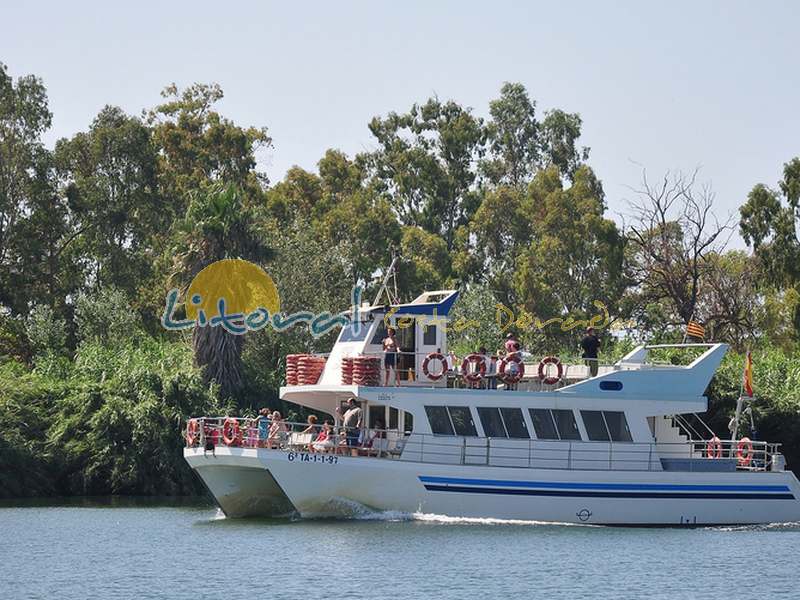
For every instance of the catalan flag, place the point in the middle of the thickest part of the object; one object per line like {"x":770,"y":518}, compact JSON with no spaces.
{"x":747,"y":377}
{"x":695,"y":330}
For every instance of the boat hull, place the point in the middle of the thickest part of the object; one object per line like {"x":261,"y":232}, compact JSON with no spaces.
{"x":261,"y":482}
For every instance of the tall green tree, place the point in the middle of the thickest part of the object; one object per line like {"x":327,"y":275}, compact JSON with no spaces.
{"x":32,"y":218}
{"x":218,"y":224}
{"x":198,"y":145}
{"x":427,"y":164}
{"x":514,"y":137}
{"x":109,"y":180}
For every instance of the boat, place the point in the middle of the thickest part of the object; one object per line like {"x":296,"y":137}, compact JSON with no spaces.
{"x":511,"y":439}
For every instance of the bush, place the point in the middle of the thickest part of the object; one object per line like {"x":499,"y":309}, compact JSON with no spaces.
{"x":111,"y":426}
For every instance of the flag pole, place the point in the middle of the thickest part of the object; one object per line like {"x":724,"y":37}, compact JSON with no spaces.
{"x":740,"y":400}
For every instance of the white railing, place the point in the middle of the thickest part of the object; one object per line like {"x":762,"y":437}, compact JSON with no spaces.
{"x":694,"y":455}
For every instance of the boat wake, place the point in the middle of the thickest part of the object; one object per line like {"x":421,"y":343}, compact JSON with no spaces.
{"x":346,"y":509}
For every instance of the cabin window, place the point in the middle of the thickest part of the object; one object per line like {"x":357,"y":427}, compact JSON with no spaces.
{"x":617,"y":426}
{"x":543,"y":424}
{"x":462,"y":420}
{"x":607,"y":425}
{"x":408,"y":422}
{"x":492,"y":422}
{"x":440,"y":421}
{"x":566,"y":425}
{"x":595,"y":425}
{"x":554,"y":424}
{"x":515,"y":424}
{"x":393,"y":418}
{"x":380,"y":333}
{"x":429,"y":335}
{"x":354,"y":332}
{"x":377,"y":413}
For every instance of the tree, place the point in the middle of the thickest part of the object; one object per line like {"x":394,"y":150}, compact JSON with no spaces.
{"x":769,"y":222}
{"x":198,"y":145}
{"x":513,"y":135}
{"x":427,"y":164}
{"x":575,"y":257}
{"x":32,"y":220}
{"x":218,"y":224}
{"x":672,"y":233}
{"x":560,"y":133}
{"x":114,"y":203}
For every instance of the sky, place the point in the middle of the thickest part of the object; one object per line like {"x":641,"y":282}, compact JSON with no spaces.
{"x":662,"y":86}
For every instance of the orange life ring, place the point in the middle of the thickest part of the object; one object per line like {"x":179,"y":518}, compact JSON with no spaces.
{"x":549,"y":379}
{"x":714,"y":448}
{"x":744,"y":452}
{"x":192,"y":428}
{"x":230,"y":432}
{"x":434,"y":356}
{"x":511,"y":378}
{"x":476,"y":376}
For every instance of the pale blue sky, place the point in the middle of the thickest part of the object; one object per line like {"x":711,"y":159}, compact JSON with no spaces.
{"x":670,"y":85}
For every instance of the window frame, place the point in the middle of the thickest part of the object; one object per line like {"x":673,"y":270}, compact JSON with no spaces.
{"x":431,"y":408}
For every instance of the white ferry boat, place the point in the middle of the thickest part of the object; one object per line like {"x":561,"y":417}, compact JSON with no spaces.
{"x":543,"y":442}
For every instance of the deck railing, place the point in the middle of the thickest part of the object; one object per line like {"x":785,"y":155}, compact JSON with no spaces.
{"x":692,"y":456}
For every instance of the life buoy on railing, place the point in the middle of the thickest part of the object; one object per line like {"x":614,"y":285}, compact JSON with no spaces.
{"x":480,"y":368}
{"x":550,"y":379}
{"x":434,"y":356}
{"x":513,"y":375}
{"x":744,"y":452}
{"x":230,"y":431}
{"x":192,"y":429}
{"x":714,"y":448}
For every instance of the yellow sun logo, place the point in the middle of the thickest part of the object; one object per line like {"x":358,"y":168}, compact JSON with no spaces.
{"x":243,"y":286}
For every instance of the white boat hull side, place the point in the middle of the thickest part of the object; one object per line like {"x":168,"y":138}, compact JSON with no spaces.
{"x":239,"y":483}
{"x":565,"y":496}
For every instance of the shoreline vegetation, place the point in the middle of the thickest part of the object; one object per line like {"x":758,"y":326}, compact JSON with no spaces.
{"x":96,"y":230}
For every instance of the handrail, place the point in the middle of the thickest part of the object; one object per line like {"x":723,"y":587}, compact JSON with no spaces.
{"x":210,"y":432}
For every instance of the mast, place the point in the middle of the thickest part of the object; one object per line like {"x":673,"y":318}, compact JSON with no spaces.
{"x":391,"y":276}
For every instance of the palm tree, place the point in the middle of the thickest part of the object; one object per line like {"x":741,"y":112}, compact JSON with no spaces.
{"x":219,"y":224}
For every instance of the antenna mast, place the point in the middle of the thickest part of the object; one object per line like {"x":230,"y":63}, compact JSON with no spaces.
{"x":390,"y":277}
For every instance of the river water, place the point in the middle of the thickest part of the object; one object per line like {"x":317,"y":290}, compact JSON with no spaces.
{"x":167,"y":549}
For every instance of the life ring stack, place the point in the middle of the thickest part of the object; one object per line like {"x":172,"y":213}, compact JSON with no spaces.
{"x":347,"y":370}
{"x":366,"y":370}
{"x":309,"y":368}
{"x":291,"y":368}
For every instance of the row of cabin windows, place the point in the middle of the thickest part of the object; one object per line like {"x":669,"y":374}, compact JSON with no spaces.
{"x":548,"y":424}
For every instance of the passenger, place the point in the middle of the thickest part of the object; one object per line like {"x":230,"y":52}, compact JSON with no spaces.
{"x":311,"y":430}
{"x":263,"y":424}
{"x":352,"y":421}
{"x":312,"y":424}
{"x":590,"y":343}
{"x":378,"y":433}
{"x":512,"y":345}
{"x":324,"y":441}
{"x":277,"y":431}
{"x":390,"y":356}
{"x":491,"y":368}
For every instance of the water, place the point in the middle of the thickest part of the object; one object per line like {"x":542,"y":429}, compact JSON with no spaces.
{"x":128,"y":549}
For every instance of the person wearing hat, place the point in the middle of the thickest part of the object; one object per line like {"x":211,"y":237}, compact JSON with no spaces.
{"x":590,"y":344}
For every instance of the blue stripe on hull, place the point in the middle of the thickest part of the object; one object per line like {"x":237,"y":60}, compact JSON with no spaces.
{"x":595,"y":494}
{"x":641,"y":487}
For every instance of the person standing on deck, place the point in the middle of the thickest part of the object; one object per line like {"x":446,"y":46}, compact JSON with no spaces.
{"x":352,"y":421}
{"x":590,"y":343}
{"x":390,"y":356}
